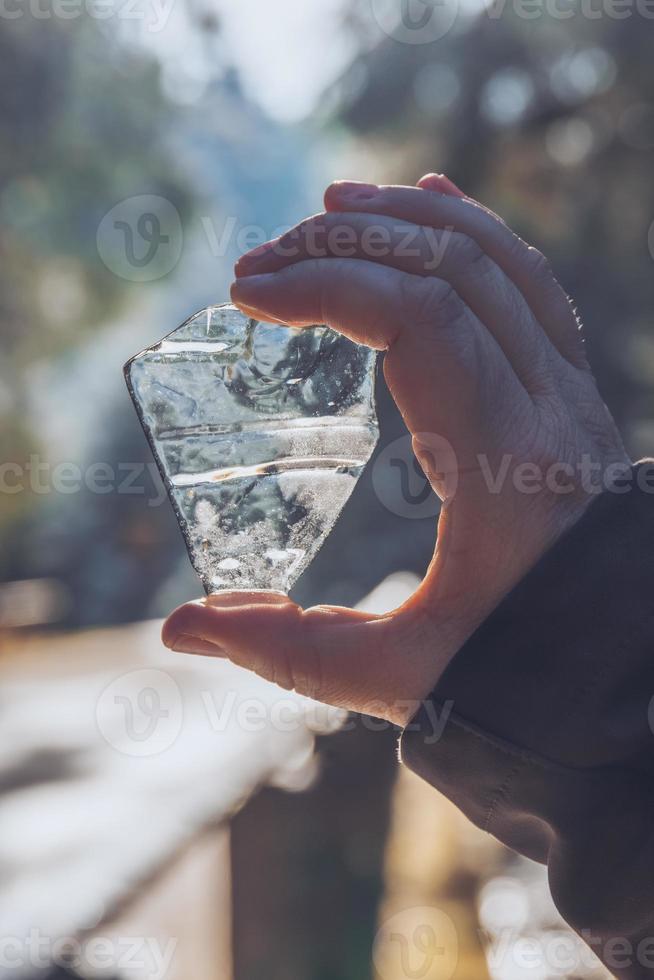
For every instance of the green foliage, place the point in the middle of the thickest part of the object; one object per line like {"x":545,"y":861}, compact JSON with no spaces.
{"x":81,"y":124}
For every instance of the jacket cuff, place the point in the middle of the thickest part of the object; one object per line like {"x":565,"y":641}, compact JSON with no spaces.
{"x":558,"y":678}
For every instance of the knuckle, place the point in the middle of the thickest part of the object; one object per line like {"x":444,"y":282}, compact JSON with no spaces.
{"x":431,"y":300}
{"x":448,"y":305}
{"x":333,"y":188}
{"x":281,"y":673}
{"x":306,"y":667}
{"x":273,"y":665}
{"x":324,"y":302}
{"x":471,"y":256}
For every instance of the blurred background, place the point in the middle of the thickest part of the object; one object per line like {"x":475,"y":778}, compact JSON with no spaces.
{"x":145,"y":144}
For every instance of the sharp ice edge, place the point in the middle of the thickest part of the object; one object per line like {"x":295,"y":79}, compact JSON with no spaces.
{"x":189,"y":347}
{"x":275,"y":425}
{"x":273,"y":468}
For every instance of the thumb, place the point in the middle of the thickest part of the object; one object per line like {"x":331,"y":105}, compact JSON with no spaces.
{"x":341,"y":656}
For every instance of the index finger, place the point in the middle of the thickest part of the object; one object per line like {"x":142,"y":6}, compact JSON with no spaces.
{"x":524,"y":265}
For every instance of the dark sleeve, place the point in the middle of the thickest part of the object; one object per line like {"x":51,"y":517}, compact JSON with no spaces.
{"x":548,"y":742}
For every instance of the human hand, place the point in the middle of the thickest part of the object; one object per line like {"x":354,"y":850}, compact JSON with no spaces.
{"x":485,"y":361}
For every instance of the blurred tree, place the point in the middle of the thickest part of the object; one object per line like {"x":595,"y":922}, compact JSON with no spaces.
{"x":82,"y":121}
{"x":550,"y":121}
{"x":82,"y":125}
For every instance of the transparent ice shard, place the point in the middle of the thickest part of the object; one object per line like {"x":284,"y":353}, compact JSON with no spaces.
{"x":260,"y":433}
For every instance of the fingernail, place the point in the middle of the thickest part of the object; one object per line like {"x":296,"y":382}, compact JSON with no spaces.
{"x":442,"y":184}
{"x":243,"y":291}
{"x":259,"y":315}
{"x":251,"y":257}
{"x":247,"y":290}
{"x":247,"y":303}
{"x":185,"y":643}
{"x":352,"y":190}
{"x":251,"y":283}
